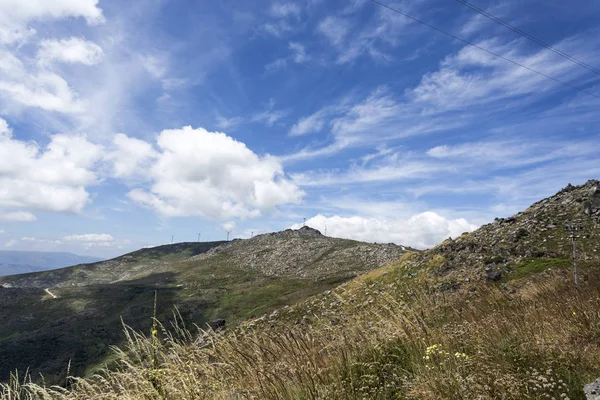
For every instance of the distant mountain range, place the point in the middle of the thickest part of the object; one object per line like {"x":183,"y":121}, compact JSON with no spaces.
{"x":21,"y":262}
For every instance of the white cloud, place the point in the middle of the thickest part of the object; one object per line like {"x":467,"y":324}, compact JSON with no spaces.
{"x":281,"y":9}
{"x":16,"y":14}
{"x":51,"y":178}
{"x":350,"y":42}
{"x":228,"y":226}
{"x":226,"y":123}
{"x":334,"y":29}
{"x":130,"y":156}
{"x":390,"y":168}
{"x":269,"y":116}
{"x":34,"y":239}
{"x":421,"y":231}
{"x":311,"y":124}
{"x":280,"y":63}
{"x":36,"y":88}
{"x":298,"y":56}
{"x":376,"y":119}
{"x":299,"y":52}
{"x":90,"y":237}
{"x":511,"y":153}
{"x":277,"y":28}
{"x":472,"y":77}
{"x":468,"y":82}
{"x":210,"y":174}
{"x":21,"y":216}
{"x":72,"y":50}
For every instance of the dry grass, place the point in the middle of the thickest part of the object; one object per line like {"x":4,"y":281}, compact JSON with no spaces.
{"x":389,"y":341}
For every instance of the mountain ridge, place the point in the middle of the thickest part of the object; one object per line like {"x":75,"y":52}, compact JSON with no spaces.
{"x":18,"y":261}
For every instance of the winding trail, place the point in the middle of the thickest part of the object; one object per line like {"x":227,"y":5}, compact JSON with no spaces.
{"x":50,"y":293}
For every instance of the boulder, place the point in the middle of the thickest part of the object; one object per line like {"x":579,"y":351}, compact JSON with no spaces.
{"x":592,"y":390}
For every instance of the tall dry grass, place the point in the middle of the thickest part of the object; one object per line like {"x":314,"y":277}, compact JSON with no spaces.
{"x":390,"y":341}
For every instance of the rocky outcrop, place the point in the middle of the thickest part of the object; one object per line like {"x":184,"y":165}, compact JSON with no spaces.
{"x":541,"y":231}
{"x":305,"y":252}
{"x":592,"y":390}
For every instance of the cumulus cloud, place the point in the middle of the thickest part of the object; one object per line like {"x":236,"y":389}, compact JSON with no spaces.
{"x":38,"y":88}
{"x":20,"y":216}
{"x":91,"y":240}
{"x":90,"y":237}
{"x":130,"y":156}
{"x":15,"y":15}
{"x":210,"y":174}
{"x":40,"y":240}
{"x":421,"y":231}
{"x":72,"y":50}
{"x":49,"y":178}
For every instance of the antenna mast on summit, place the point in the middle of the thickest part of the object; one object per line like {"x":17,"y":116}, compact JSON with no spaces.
{"x":198,"y":237}
{"x":172,"y":238}
{"x":228,"y":232}
{"x":304,"y":221}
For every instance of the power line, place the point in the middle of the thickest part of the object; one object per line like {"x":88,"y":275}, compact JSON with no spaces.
{"x":484,"y":49}
{"x":528,"y":36}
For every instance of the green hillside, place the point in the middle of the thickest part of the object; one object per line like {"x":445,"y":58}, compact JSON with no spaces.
{"x":74,"y":314}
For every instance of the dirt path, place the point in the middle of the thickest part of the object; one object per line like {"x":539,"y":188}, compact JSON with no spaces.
{"x":50,"y":293}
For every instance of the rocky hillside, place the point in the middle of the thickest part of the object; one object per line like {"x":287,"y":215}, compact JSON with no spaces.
{"x":51,"y":317}
{"x":508,"y":247}
{"x":306,"y":253}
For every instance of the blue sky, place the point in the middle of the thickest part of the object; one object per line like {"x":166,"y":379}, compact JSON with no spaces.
{"x":124,"y":123}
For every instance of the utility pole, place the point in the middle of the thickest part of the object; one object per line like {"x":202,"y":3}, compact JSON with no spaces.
{"x":172,"y":238}
{"x":573,"y":228}
{"x":304,"y":222}
{"x":228,"y":232}
{"x":252,"y":234}
{"x":198,"y":237}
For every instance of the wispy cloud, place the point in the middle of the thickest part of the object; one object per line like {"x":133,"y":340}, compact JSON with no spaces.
{"x":467,"y":86}
{"x":285,"y":9}
{"x":391,"y":168}
{"x":20,"y":216}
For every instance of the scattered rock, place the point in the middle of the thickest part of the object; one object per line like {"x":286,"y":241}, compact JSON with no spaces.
{"x":493,"y":275}
{"x":217,"y":324}
{"x":592,"y":390}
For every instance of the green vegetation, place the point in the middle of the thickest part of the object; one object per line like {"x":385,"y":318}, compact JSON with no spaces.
{"x":390,"y":340}
{"x":529,"y":267}
{"x":77,"y":329}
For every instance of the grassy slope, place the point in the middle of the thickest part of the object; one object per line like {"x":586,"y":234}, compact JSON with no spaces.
{"x":381,"y":336}
{"x":44,"y":333}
